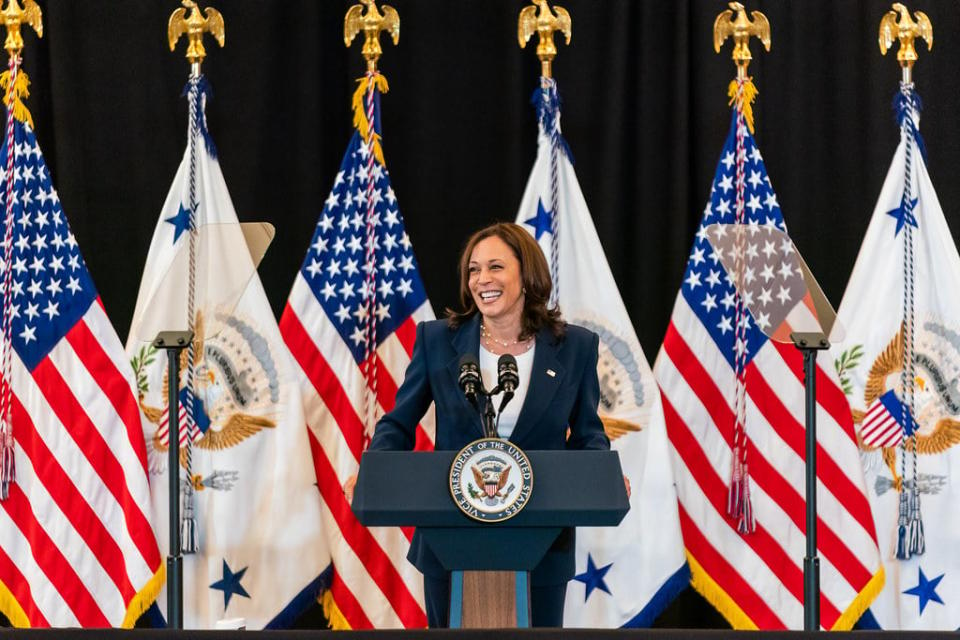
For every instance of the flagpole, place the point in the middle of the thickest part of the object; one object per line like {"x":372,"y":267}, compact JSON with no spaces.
{"x":183,"y":535}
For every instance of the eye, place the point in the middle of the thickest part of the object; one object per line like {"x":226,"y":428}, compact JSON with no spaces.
{"x":473,"y":269}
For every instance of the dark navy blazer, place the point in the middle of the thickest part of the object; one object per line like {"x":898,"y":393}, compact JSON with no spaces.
{"x":563,"y":393}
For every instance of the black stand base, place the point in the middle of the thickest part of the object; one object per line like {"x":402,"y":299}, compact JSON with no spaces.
{"x":174,"y":342}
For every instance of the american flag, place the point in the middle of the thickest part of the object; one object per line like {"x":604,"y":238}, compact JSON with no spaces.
{"x":756,"y":579}
{"x":324,"y":325}
{"x":76,"y":542}
{"x":884,"y":424}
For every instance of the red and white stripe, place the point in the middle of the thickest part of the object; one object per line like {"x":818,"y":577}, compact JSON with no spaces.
{"x":880,"y":428}
{"x":76,"y":541}
{"x":373,"y":584}
{"x":163,"y":428}
{"x":761,"y":573}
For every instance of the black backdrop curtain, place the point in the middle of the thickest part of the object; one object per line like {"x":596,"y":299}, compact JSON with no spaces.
{"x":645,"y":113}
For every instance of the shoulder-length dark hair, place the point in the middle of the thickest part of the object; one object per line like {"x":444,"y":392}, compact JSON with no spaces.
{"x":534,"y":274}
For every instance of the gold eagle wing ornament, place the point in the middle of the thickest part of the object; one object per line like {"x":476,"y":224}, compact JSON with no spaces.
{"x":503,"y":479}
{"x":371,"y":24}
{"x":237,"y":428}
{"x":477,"y":476}
{"x":538,"y":18}
{"x":616,"y":428}
{"x":188,"y":20}
{"x":906,"y":30}
{"x":15,"y":15}
{"x":734,"y":23}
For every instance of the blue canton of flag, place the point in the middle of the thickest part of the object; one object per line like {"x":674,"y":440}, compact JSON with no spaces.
{"x":51,"y":286}
{"x":707,"y":287}
{"x":335,"y":266}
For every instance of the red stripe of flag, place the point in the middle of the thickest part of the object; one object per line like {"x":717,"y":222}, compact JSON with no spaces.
{"x":722,"y":572}
{"x":407,"y":334}
{"x":321,"y":376}
{"x":17,"y":583}
{"x":829,"y":395}
{"x":78,"y":424}
{"x":714,"y":489}
{"x":364,"y":545}
{"x":348,"y":604}
{"x":793,"y":434}
{"x":113,"y":384}
{"x":52,"y":562}
{"x":73,"y":505}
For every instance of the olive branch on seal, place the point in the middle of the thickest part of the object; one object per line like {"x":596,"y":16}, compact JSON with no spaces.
{"x":144,"y":358}
{"x":474,"y":494}
{"x":848,"y":361}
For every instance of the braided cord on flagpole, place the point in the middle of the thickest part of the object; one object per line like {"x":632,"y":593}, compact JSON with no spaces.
{"x":369,"y":302}
{"x":739,"y":505}
{"x":552,"y":105}
{"x":910,"y":535}
{"x":7,"y":464}
{"x":188,"y":521}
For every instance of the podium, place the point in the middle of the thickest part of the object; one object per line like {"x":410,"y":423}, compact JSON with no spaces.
{"x":489,"y":562}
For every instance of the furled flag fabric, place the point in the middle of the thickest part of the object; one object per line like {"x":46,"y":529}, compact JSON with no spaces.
{"x":77,"y":547}
{"x":923,"y":585}
{"x":358,"y":287}
{"x":628,"y":574}
{"x":261,"y":555}
{"x":755,"y":578}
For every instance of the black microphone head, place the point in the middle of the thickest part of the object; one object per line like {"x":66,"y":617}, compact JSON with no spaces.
{"x":469,"y":378}
{"x":508,"y":375}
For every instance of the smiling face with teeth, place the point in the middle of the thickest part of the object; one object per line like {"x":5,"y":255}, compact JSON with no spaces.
{"x":496,"y":284}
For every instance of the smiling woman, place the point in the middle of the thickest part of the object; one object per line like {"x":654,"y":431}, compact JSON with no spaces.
{"x":504,"y":293}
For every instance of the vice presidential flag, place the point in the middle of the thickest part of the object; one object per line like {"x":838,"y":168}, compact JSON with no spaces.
{"x":76,"y":543}
{"x":749,"y":565}
{"x":248,"y":479}
{"x":350,"y":323}
{"x":900,"y":300}
{"x":628,"y":574}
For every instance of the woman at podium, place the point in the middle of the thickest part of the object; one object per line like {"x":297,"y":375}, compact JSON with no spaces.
{"x":504,"y":290}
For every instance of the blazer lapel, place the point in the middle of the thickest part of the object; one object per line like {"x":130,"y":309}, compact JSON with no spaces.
{"x":543,"y":385}
{"x":465,"y":340}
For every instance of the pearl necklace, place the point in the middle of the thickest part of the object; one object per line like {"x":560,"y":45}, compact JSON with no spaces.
{"x":494,"y":342}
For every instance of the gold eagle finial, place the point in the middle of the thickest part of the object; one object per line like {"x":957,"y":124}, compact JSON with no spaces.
{"x":906,"y":31}
{"x":195,"y":25}
{"x":13,"y":16}
{"x":742,"y":29}
{"x":371,"y":23}
{"x":544,"y":23}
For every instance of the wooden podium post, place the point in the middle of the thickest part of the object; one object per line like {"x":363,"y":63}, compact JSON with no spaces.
{"x":489,"y":600}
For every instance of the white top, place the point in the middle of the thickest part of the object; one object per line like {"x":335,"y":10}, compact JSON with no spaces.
{"x":488,"y":373}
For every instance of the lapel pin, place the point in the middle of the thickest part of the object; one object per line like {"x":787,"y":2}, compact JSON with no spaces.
{"x":551,"y":373}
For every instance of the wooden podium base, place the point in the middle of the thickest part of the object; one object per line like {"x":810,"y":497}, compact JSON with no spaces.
{"x":489,"y":599}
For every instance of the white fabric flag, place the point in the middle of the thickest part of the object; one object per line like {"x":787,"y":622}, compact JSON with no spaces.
{"x":261,"y":555}
{"x":625,"y":575}
{"x":922,"y":592}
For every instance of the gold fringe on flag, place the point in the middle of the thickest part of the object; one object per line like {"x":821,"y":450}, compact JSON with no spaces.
{"x":746,"y":99}
{"x":20,"y":90}
{"x":146,"y":597}
{"x":360,"y":111}
{"x":12,"y":609}
{"x":332,"y":612}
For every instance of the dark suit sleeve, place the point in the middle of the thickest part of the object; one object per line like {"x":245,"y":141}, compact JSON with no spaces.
{"x":396,"y":431}
{"x":586,"y":429}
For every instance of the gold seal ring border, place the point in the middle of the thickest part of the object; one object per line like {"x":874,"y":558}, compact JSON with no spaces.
{"x":450,"y":480}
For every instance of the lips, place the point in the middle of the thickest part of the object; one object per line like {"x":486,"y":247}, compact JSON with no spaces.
{"x":489,"y":296}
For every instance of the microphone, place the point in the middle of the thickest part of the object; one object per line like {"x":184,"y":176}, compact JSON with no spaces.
{"x":469,"y":378}
{"x":508,"y":377}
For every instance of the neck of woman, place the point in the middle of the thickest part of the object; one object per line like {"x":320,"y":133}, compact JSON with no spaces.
{"x":503,"y":329}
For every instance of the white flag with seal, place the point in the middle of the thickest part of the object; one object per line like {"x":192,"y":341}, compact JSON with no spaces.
{"x":248,"y":478}
{"x":625,"y":575}
{"x":900,"y":365}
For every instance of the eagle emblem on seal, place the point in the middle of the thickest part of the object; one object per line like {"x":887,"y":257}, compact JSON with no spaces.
{"x":936,"y":395}
{"x":236,"y":387}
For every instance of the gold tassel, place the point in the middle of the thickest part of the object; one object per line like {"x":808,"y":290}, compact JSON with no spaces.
{"x":20,"y":90}
{"x":334,"y":616}
{"x":746,"y":100}
{"x":360,"y":121}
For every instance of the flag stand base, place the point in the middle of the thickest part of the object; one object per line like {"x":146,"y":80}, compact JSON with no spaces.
{"x":174,"y":342}
{"x":809,"y":344}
